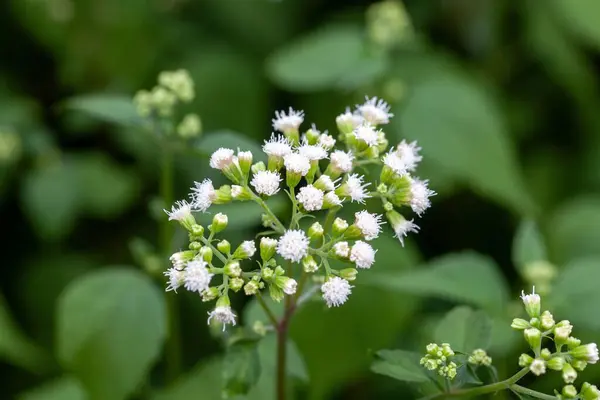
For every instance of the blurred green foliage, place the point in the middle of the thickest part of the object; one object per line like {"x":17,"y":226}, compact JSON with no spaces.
{"x":503,"y":97}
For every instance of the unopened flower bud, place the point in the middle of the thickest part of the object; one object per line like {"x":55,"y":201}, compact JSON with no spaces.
{"x":267,"y":274}
{"x":538,"y":367}
{"x":236,"y":284}
{"x":210,"y":294}
{"x":224,"y":246}
{"x":562,"y":331}
{"x":573,"y":342}
{"x":275,"y":292}
{"x":546,"y":354}
{"x":222,"y":195}
{"x":219,"y":223}
{"x":251,"y":288}
{"x":267,"y":248}
{"x":245,"y":250}
{"x":315,"y":231}
{"x":569,"y":392}
{"x":195,"y":246}
{"x":233,"y":269}
{"x":533,"y":337}
{"x":579,"y":364}
{"x":589,"y":392}
{"x":181,"y":258}
{"x":519,"y":323}
{"x":287,"y":284}
{"x":312,"y":136}
{"x":569,"y":374}
{"x":547,"y":320}
{"x":525,"y":360}
{"x":245,"y":161}
{"x":447,"y":350}
{"x":432,"y":349}
{"x":258,"y":167}
{"x":532,"y":303}
{"x":349,"y":274}
{"x":197,"y":230}
{"x":535,"y":322}
{"x":240,"y":193}
{"x":309,"y":264}
{"x":279,"y":271}
{"x":339,"y":227}
{"x":586,"y":352}
{"x":556,"y":363}
{"x":189,"y":127}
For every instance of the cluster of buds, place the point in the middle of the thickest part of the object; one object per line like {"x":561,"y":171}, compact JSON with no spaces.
{"x":569,"y":355}
{"x":173,"y":87}
{"x":316,"y":177}
{"x":438,"y":358}
{"x":480,"y":357}
{"x":587,"y":392}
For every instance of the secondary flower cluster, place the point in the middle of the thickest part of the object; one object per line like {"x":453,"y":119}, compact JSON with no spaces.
{"x":316,"y":177}
{"x":569,"y":355}
{"x":438,"y":358}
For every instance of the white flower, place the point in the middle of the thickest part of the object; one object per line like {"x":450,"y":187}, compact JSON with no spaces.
{"x":327,"y":141}
{"x":362,"y":254}
{"x":221,"y":158}
{"x":395,"y":163}
{"x":331,"y":200}
{"x":310,"y":197}
{"x":290,"y":286}
{"x":341,"y":161}
{"x":403,"y":228}
{"x":286,"y":122}
{"x":266,"y":182}
{"x":348,"y":119}
{"x":222,"y":314}
{"x":293,"y":245}
{"x":420,"y":193}
{"x":196,"y":276}
{"x":203,"y":194}
{"x":277,"y":146}
{"x":312,"y":152}
{"x":341,"y":249}
{"x":248,"y":247}
{"x":325,"y":183}
{"x":175,"y":278}
{"x":297,"y":163}
{"x":356,"y":190}
{"x":336,"y":291}
{"x":538,"y":367}
{"x":369,"y":224}
{"x":376,"y":111}
{"x":587,"y":352}
{"x":409,"y":154}
{"x":180,"y":211}
{"x":367,"y":134}
{"x":532,"y":303}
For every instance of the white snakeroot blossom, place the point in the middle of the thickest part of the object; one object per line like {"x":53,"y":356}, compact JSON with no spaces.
{"x":362,"y":254}
{"x":327,"y":141}
{"x":325,"y":183}
{"x":178,"y":260}
{"x":222,"y":314}
{"x":221,"y":158}
{"x":349,"y":119}
{"x":403,"y":228}
{"x":293,"y":245}
{"x":342,"y":249}
{"x":248,"y":247}
{"x":297,"y":163}
{"x":203,"y":194}
{"x":176,"y":277}
{"x":313,"y":152}
{"x":196,"y":277}
{"x":367,"y":134}
{"x":342,"y":161}
{"x":409,"y":154}
{"x":179,"y":211}
{"x":331,"y":199}
{"x":589,"y":352}
{"x":290,"y":286}
{"x":356,"y":188}
{"x":395,"y":163}
{"x":375,"y":111}
{"x":369,"y":224}
{"x":266,"y":182}
{"x":311,"y":198}
{"x":284,"y":122}
{"x":531,"y":301}
{"x":336,"y":291}
{"x":277,"y":146}
{"x":538,"y":367}
{"x":420,"y":194}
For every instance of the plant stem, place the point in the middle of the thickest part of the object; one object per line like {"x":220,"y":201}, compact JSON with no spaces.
{"x":530,"y":392}
{"x":268,"y":211}
{"x":267,"y":310}
{"x":282,"y":330}
{"x":173,"y":350}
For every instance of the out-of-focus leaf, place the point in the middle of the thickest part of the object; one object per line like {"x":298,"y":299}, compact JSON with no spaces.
{"x":241,"y":368}
{"x":111,"y":108}
{"x":464,"y":329}
{"x":399,"y":364}
{"x":204,"y":379}
{"x":460,"y":128}
{"x":65,"y":388}
{"x":582,"y":17}
{"x":574,"y":229}
{"x":111,"y":326}
{"x":462,"y":277}
{"x":319,"y":60}
{"x":528,"y":245}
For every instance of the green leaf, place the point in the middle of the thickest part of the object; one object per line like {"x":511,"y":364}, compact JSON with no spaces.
{"x":528,"y":245}
{"x":111,"y":327}
{"x":461,"y":277}
{"x":582,"y":17}
{"x":241,"y":368}
{"x":320,"y":60}
{"x":460,"y":128}
{"x":205,"y":378}
{"x":464,"y":329}
{"x":65,"y":388}
{"x":399,"y":364}
{"x":111,"y":108}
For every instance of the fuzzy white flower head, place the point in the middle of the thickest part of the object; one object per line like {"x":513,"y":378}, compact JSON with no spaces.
{"x":538,"y":367}
{"x":409,"y":154}
{"x":310,"y":197}
{"x":368,"y":134}
{"x":176,"y":277}
{"x":357,"y":189}
{"x":395,"y":163}
{"x":297,"y":163}
{"x":349,"y":119}
{"x":375,"y":110}
{"x":342,"y":161}
{"x":313,"y":152}
{"x":179,"y":211}
{"x":341,"y":249}
{"x":221,"y":158}
{"x":362,"y":254}
{"x":369,"y":224}
{"x":331,"y":200}
{"x":203,"y":194}
{"x":290,"y":286}
{"x":178,"y":260}
{"x":326,"y":183}
{"x":196,"y":277}
{"x":277,"y":146}
{"x":222,"y":314}
{"x":249,"y":248}
{"x":403,"y":228}
{"x":420,"y":195}
{"x":293,"y":245}
{"x":266,"y":182}
{"x":532,"y":303}
{"x":326,"y":141}
{"x":336,"y":291}
{"x":284,"y":122}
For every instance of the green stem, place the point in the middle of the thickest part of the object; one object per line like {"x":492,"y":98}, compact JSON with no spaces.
{"x":267,"y":310}
{"x":215,"y":251}
{"x":279,"y":226}
{"x":530,"y":392}
{"x":329,"y":219}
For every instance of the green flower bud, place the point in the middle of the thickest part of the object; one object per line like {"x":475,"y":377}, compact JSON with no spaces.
{"x":569,"y":374}
{"x":224,"y":246}
{"x":433,"y":350}
{"x":251,"y":288}
{"x":586,"y":352}
{"x":309,"y":264}
{"x":535,"y":322}
{"x":223,"y":301}
{"x":556,"y":363}
{"x":533,"y":337}
{"x":267,"y":248}
{"x":339,"y":227}
{"x":569,"y":392}
{"x":573,"y":342}
{"x":372,"y":152}
{"x":546,"y":354}
{"x":163,"y":101}
{"x":195,"y":246}
{"x":245,"y":250}
{"x":315,"y":232}
{"x":349,"y":274}
{"x":259,"y":166}
{"x":547,"y":320}
{"x":259,"y":328}
{"x":189,"y":127}
{"x":562,"y":331}
{"x":240,"y":193}
{"x":312,"y":136}
{"x":267,"y":274}
{"x":279,"y":270}
{"x":233,"y":269}
{"x":579,"y":364}
{"x":223,"y":195}
{"x":519,"y":323}
{"x":245,"y":161}
{"x":447,"y":350}
{"x":287,"y":284}
{"x":525,"y":360}
{"x":589,"y":392}
{"x":179,"y":82}
{"x":206,"y":254}
{"x":197,"y":230}
{"x":532,"y":304}
{"x":210,"y":294}
{"x":275,"y":292}
{"x":219,"y":223}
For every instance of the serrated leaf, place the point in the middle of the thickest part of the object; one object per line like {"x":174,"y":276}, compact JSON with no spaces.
{"x":399,"y":364}
{"x":462,"y":277}
{"x":111,"y":108}
{"x":241,"y":368}
{"x":465,"y":329}
{"x":111,"y":326}
{"x":528,"y":245}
